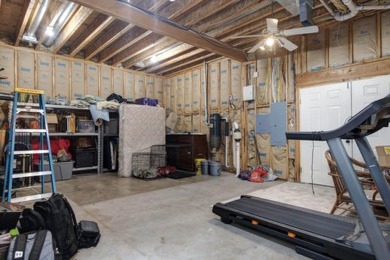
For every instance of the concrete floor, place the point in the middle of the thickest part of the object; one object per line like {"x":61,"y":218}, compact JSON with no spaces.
{"x":172,"y":219}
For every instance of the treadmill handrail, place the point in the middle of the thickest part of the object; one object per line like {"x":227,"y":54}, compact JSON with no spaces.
{"x":369,"y":120}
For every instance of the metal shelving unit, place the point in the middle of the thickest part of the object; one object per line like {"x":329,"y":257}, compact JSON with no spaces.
{"x":98,"y":134}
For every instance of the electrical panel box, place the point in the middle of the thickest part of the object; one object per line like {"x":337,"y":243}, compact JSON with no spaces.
{"x":247,"y":93}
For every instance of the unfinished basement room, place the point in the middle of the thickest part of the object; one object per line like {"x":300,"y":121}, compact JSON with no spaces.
{"x":194,"y":129}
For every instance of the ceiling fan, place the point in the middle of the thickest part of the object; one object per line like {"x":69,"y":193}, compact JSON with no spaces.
{"x":272,"y":35}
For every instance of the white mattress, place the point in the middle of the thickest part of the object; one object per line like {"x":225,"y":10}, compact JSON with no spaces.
{"x":140,"y":127}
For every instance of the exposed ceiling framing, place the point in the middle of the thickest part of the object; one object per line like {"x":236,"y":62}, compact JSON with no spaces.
{"x":178,"y":34}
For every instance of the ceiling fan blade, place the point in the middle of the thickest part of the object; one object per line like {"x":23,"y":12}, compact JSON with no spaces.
{"x":302,"y":30}
{"x":257,"y":46}
{"x":288,"y":45}
{"x":246,"y":36}
{"x":272,"y":24}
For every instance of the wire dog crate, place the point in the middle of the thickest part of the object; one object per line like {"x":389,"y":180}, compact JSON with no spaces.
{"x":149,"y":160}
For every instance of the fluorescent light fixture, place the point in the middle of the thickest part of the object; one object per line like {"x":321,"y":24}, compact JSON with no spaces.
{"x":50,"y":31}
{"x":153,"y":59}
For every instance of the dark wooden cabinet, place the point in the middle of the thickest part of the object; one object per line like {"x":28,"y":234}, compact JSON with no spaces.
{"x":182,"y":149}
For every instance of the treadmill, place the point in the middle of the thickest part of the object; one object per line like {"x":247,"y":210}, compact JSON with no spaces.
{"x":320,"y":235}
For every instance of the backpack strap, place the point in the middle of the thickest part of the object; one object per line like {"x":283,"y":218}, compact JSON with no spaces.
{"x":19,"y":247}
{"x":71,"y":213}
{"x":36,"y":249}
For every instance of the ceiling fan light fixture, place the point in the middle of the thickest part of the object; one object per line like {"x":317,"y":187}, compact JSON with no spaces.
{"x":280,"y":43}
{"x":270,"y":41}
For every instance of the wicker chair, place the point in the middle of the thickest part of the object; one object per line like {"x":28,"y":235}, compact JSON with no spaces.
{"x":342,"y":197}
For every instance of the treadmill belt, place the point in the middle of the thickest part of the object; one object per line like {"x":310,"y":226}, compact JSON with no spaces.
{"x":314,"y":222}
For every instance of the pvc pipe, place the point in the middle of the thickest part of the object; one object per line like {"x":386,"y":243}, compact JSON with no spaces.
{"x":238,"y":158}
{"x":206,"y":112}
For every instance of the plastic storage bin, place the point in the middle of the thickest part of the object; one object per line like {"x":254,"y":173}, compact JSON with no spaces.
{"x":84,"y":157}
{"x":62,"y":170}
{"x":147,"y":101}
{"x":85,"y":126}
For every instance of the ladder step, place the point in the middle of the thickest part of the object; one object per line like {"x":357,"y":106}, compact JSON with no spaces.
{"x":30,"y":174}
{"x":30,"y":110}
{"x":31,"y":152}
{"x":18,"y":130}
{"x":32,"y":197}
{"x":30,"y":91}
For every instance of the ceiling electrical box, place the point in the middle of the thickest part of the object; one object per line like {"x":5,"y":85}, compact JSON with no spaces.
{"x":247,"y":93}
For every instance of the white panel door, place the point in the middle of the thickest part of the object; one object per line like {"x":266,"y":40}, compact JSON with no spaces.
{"x":321,"y":108}
{"x":363,"y":93}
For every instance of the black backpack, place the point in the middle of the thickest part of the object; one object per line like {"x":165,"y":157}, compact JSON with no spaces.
{"x":61,"y":221}
{"x":31,"y":221}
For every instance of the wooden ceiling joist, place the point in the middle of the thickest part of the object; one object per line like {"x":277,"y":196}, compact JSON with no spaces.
{"x":140,"y":47}
{"x":188,"y":20}
{"x":131,"y":37}
{"x":25,"y":17}
{"x":107,"y":39}
{"x":78,"y":18}
{"x":88,"y":35}
{"x":135,"y":16}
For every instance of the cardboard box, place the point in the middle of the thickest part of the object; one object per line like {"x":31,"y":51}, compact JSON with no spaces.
{"x":383,"y":155}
